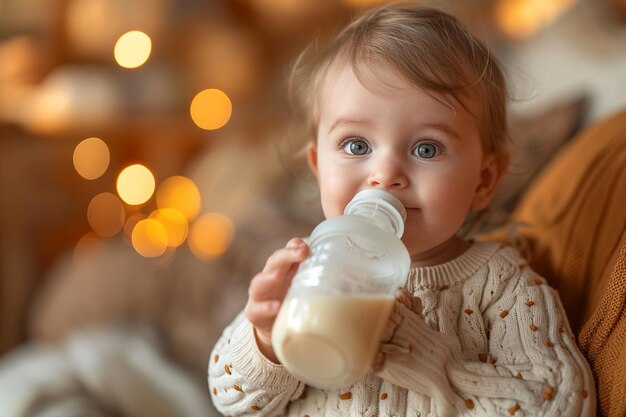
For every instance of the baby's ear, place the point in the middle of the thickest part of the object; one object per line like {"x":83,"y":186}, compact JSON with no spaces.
{"x":494,"y":166}
{"x":311,"y":157}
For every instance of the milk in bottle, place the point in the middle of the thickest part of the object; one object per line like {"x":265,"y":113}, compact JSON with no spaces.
{"x":330,"y":323}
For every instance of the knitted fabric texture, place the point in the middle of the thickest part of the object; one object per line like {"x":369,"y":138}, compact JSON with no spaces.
{"x":574,"y":234}
{"x":493,"y":341}
{"x":603,"y":339}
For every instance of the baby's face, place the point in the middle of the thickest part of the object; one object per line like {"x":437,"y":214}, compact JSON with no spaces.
{"x":390,"y":135}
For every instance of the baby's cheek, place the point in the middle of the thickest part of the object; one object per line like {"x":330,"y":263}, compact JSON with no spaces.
{"x":333,"y":202}
{"x":450,"y":203}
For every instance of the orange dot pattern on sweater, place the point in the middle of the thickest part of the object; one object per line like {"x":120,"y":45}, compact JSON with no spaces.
{"x":518,"y":376}
{"x":216,"y":358}
{"x":384,"y":396}
{"x":504,"y":313}
{"x":513,"y":409}
{"x":547,"y":393}
{"x":482,"y":357}
{"x":530,"y":303}
{"x":345,"y":395}
{"x":469,"y":404}
{"x":214,"y":391}
{"x":548,"y":343}
{"x":444,"y":287}
{"x":237,"y":388}
{"x":255,"y":407}
{"x":468,"y":311}
{"x":227,"y":369}
{"x":533,"y":327}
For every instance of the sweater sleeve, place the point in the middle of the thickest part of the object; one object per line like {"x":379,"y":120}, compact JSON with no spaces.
{"x":242,"y":381}
{"x":532,"y":366}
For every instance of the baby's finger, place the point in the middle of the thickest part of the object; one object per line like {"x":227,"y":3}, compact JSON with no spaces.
{"x":284,"y":258}
{"x":262,"y":314}
{"x":266,"y":286}
{"x":295,"y":242}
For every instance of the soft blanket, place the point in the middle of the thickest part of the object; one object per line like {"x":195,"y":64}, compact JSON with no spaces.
{"x":99,"y":373}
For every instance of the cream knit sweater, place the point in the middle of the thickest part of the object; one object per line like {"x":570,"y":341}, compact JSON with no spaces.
{"x":493,"y":341}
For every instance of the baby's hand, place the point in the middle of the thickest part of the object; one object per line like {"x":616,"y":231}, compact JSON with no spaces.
{"x":268,"y":288}
{"x":405,"y":301}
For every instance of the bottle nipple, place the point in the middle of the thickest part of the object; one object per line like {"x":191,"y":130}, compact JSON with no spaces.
{"x":381,"y":207}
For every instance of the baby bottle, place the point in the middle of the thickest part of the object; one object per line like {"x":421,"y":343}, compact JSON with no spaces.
{"x":330,"y":323}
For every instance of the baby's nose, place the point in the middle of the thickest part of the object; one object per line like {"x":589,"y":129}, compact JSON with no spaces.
{"x":387,"y":174}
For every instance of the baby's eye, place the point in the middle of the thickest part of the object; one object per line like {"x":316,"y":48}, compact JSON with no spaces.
{"x":356,"y":147}
{"x":426,"y":150}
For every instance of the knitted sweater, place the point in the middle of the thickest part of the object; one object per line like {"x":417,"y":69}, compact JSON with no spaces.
{"x":493,"y":341}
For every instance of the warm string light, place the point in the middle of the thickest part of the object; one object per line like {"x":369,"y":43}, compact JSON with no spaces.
{"x":363,"y":3}
{"x":132,"y":49}
{"x":521,"y":19}
{"x":149,"y":238}
{"x":211,"y":235}
{"x":211,"y":109}
{"x":179,"y":193}
{"x":177,"y":199}
{"x":135,"y":184}
{"x":175,"y":224}
{"x":167,"y":227}
{"x":106,"y":214}
{"x":91,"y":158}
{"x":87,"y":246}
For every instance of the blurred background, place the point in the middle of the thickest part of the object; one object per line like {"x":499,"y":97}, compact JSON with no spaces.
{"x":148,"y":166}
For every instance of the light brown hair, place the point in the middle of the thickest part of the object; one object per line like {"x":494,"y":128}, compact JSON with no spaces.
{"x":428,"y":47}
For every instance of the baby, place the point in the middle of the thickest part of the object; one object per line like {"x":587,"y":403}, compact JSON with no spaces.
{"x":406,"y":100}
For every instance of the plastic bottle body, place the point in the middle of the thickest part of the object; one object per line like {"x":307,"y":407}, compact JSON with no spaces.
{"x":330,"y":323}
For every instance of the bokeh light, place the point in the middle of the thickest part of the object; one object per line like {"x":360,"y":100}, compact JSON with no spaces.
{"x":72,"y":98}
{"x":149,"y":238}
{"x":517,"y":19}
{"x":130,"y":224}
{"x":135,"y":184}
{"x":91,"y":27}
{"x":88,"y":245}
{"x":521,"y":19}
{"x":132,"y":49}
{"x":180,"y":193}
{"x":210,"y":235}
{"x":211,"y":109}
{"x":91,"y":158}
{"x":164,"y":260}
{"x":175,"y":224}
{"x":363,"y":3}
{"x":106,"y":214}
